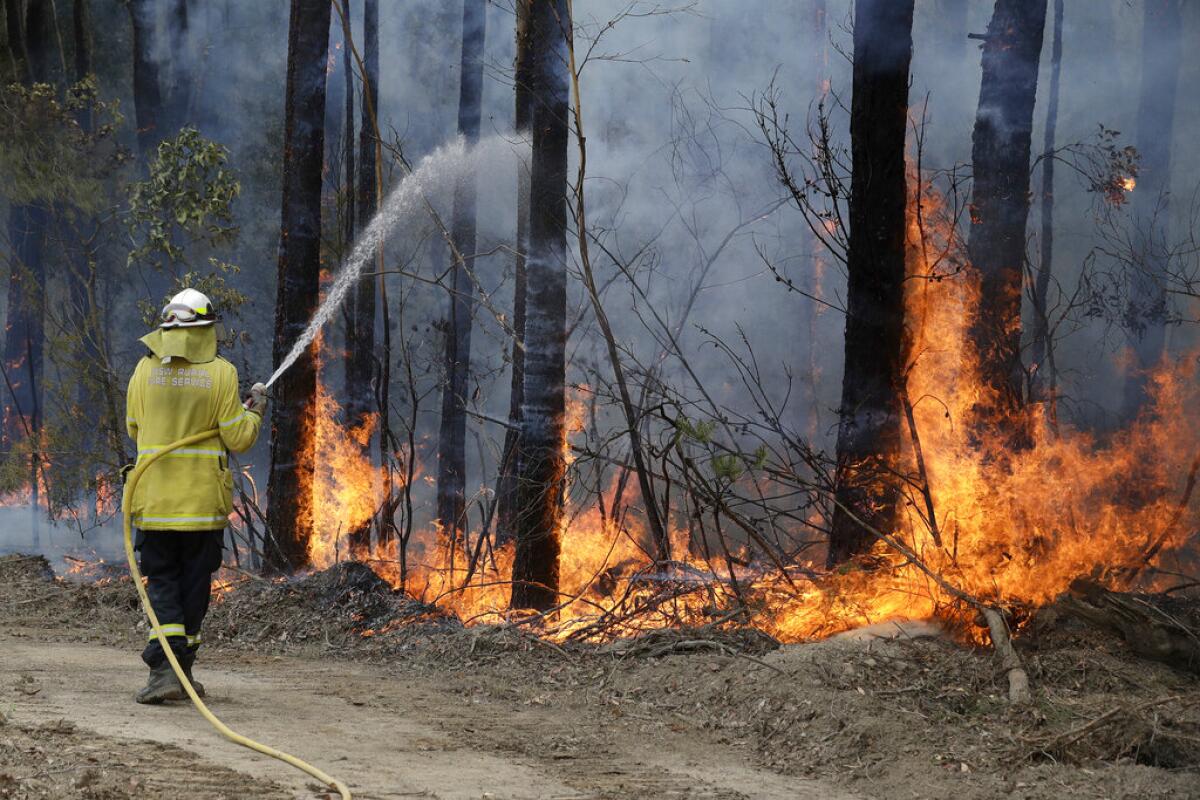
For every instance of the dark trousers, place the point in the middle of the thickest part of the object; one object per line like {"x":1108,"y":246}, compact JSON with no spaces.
{"x":178,"y":566}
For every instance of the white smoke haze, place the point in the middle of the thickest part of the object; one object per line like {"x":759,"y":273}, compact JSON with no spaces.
{"x":678,"y":173}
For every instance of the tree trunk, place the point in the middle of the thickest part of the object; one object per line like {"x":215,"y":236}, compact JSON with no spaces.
{"x":290,"y":519}
{"x":869,"y":417}
{"x":78,"y":234}
{"x":147,"y":95}
{"x":541,"y":466}
{"x":1000,"y":202}
{"x":360,"y":333}
{"x":14,"y":20}
{"x":24,"y":341}
{"x":1161,"y":47}
{"x":1043,"y":368}
{"x":506,"y":493}
{"x":452,"y":456}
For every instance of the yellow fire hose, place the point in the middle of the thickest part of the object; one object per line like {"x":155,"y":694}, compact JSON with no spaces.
{"x":221,"y":727}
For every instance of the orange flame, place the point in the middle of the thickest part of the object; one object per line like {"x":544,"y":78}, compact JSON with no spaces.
{"x":1015,"y":527}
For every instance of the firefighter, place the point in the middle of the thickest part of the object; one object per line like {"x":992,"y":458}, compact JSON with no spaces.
{"x":182,"y":503}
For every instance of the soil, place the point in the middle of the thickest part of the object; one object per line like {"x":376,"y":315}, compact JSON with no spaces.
{"x":400,"y":700}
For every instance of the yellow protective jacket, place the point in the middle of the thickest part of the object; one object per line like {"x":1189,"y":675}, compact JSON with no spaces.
{"x":182,"y":389}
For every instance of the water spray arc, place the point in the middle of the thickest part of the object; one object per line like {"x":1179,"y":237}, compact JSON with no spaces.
{"x":434,"y":176}
{"x":441,"y":168}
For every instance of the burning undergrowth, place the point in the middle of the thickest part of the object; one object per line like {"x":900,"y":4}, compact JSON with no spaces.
{"x":1010,"y":526}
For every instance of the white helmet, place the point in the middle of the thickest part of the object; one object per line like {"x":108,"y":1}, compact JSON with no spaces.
{"x":188,"y":309}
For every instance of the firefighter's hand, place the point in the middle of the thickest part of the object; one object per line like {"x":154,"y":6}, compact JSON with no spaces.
{"x":257,"y":401}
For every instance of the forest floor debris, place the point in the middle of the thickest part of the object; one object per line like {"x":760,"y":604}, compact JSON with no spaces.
{"x":880,"y":715}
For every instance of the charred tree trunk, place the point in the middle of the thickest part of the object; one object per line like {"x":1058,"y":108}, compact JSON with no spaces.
{"x":360,"y":334}
{"x":1039,"y":348}
{"x":1161,"y":48}
{"x":1149,"y":624}
{"x":506,"y":493}
{"x":870,"y":413}
{"x":288,"y":515}
{"x":78,"y":238}
{"x":541,"y":466}
{"x":24,"y":340}
{"x":147,"y":94}
{"x":14,"y":21}
{"x":452,"y":439}
{"x":999,"y":209}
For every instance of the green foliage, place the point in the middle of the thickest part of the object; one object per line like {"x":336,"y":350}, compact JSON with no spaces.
{"x":699,"y":431}
{"x":46,"y":156}
{"x":727,"y":466}
{"x":188,"y":196}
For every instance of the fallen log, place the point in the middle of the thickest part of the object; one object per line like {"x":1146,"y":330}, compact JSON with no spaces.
{"x":1150,"y":627}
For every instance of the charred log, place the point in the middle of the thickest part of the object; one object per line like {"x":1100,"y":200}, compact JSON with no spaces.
{"x":1151,"y":626}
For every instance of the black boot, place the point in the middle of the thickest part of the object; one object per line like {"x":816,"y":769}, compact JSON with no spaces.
{"x":186,"y":661}
{"x":162,"y":685}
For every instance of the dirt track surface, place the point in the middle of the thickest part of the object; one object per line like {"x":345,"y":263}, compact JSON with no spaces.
{"x":385,"y":737}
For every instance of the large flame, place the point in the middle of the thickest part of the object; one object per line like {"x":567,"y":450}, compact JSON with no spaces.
{"x":344,"y":493}
{"x":1016,"y":526}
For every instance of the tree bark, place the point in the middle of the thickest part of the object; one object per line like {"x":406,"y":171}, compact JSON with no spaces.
{"x":24,"y":341}
{"x":999,"y":208}
{"x":14,"y":22}
{"x":288,"y":517}
{"x":147,"y":94}
{"x":542,"y":467}
{"x":506,"y":494}
{"x":78,"y":235}
{"x":452,"y":456}
{"x":1039,"y":347}
{"x":360,"y":334}
{"x":870,"y":413}
{"x":1161,"y":48}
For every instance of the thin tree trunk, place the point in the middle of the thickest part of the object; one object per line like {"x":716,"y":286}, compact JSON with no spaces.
{"x":24,"y":340}
{"x":147,"y":94}
{"x":1161,"y":48}
{"x":819,"y":80}
{"x":178,"y":89}
{"x":14,"y":19}
{"x":452,"y":457}
{"x":660,"y":541}
{"x":358,"y":539}
{"x":1000,"y":154}
{"x":506,"y":493}
{"x":78,"y":233}
{"x":1040,"y":346}
{"x":289,"y":516}
{"x":870,"y":413}
{"x":542,"y":467}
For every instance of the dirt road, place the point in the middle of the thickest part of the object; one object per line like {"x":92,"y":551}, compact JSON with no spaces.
{"x":386,"y":736}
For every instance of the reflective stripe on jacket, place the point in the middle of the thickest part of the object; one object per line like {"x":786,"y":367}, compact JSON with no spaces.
{"x":169,"y":398}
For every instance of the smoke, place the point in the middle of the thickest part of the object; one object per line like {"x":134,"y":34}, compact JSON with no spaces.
{"x":681,"y":188}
